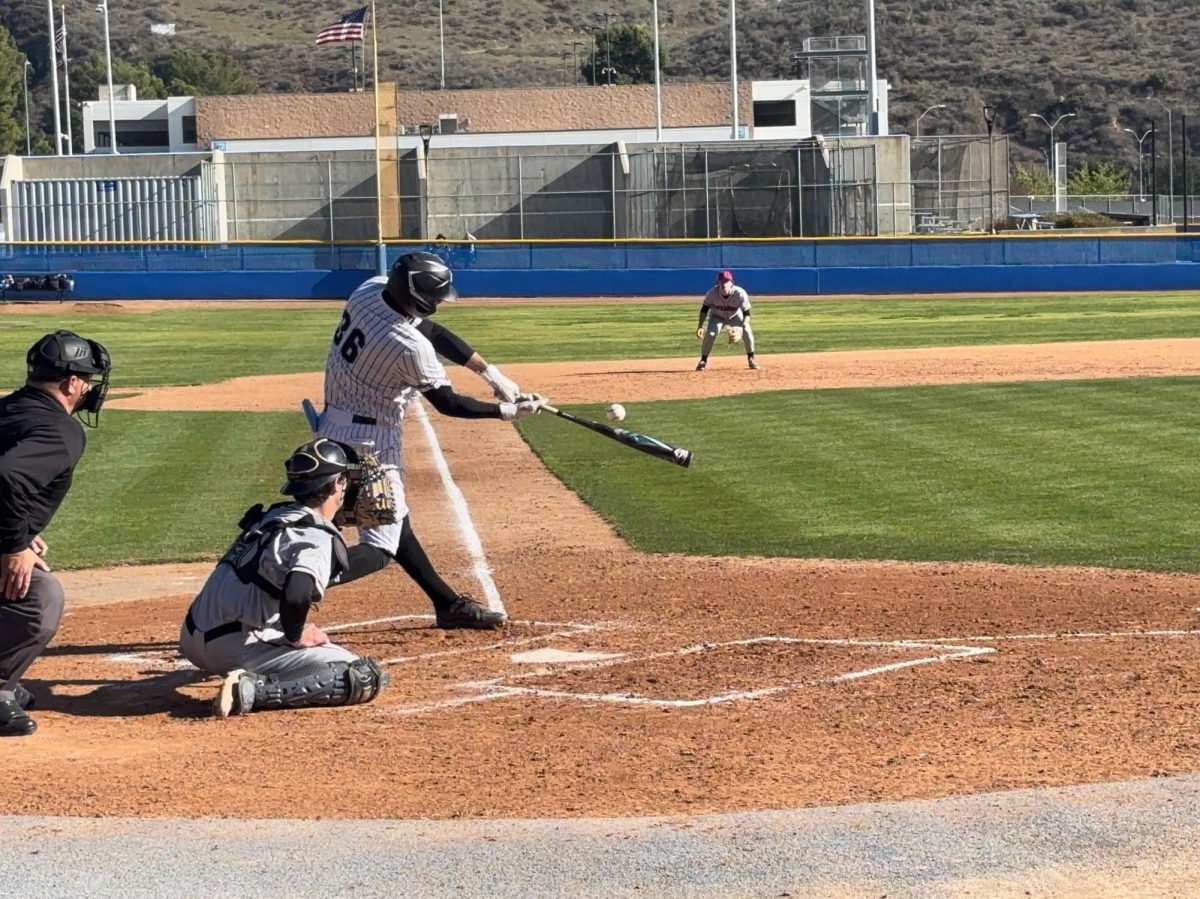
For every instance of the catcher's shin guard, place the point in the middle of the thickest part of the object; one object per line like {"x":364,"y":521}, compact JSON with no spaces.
{"x":330,"y":683}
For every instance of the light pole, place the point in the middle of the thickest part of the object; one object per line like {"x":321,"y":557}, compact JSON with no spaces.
{"x":1050,"y":158}
{"x":989,"y":116}
{"x":25,"y":73}
{"x":1170,"y":157}
{"x":733,"y":85}
{"x":442,"y":43}
{"x":1141,"y":186}
{"x":927,"y":112}
{"x":608,"y":71}
{"x":657,"y":80}
{"x":565,"y":54}
{"x":102,"y":6}
{"x":575,"y":45}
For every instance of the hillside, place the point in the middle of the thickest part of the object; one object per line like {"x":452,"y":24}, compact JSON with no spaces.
{"x":1098,"y":58}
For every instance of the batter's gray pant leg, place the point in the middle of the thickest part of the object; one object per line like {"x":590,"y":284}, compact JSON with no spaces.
{"x":26,"y":628}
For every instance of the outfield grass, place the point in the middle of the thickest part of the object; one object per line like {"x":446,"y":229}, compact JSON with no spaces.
{"x":1087,"y":473}
{"x":169,"y":486}
{"x":200,"y":346}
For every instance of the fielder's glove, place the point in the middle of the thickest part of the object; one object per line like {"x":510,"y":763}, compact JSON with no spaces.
{"x":734,"y":332}
{"x":369,"y":500}
{"x":529,"y":404}
{"x":505,"y":388}
{"x":700,"y":333}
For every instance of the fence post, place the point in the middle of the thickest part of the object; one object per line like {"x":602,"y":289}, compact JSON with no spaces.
{"x":707,"y":202}
{"x":612,"y":190}
{"x":233,"y":197}
{"x":329,"y":192}
{"x":521,"y":195}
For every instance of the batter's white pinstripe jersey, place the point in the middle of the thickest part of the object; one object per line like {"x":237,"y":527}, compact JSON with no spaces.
{"x":724,"y":307}
{"x":378,"y":360}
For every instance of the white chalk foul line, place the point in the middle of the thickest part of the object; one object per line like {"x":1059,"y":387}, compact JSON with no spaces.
{"x":462,"y":515}
{"x":1064,"y":635}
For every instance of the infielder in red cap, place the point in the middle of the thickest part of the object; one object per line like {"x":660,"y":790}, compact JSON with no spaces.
{"x":727,"y":307}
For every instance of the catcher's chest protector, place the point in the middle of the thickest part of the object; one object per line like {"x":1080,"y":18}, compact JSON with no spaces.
{"x":245,"y":556}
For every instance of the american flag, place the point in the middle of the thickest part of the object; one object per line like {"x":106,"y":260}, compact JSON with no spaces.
{"x":349,"y":27}
{"x":60,"y":44}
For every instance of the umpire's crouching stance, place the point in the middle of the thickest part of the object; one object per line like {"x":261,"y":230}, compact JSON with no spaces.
{"x":40,"y":445}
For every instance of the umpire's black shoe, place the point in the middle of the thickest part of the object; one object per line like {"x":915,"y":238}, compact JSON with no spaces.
{"x":13,"y":720}
{"x":466,"y":612}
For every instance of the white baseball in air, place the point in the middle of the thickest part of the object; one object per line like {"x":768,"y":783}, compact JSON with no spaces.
{"x":615,"y":412}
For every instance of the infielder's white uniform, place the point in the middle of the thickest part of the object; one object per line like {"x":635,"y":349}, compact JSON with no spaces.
{"x":226,"y":601}
{"x":379,"y":362}
{"x":724,"y":311}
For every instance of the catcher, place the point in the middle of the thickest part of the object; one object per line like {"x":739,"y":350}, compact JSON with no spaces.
{"x":384,"y":355}
{"x":249,"y":621}
{"x":727,"y":307}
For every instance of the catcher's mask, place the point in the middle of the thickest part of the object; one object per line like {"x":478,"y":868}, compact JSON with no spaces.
{"x":59,"y":355}
{"x":315,"y":464}
{"x":420,"y":281}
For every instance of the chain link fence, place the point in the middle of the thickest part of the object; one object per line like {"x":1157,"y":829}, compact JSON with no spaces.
{"x":959,"y":184}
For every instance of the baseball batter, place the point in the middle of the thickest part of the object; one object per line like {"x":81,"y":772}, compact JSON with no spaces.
{"x":249,"y":621}
{"x":384,"y":354}
{"x":725,"y":306}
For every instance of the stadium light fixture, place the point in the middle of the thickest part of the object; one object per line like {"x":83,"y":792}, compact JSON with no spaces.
{"x":1065,"y":115}
{"x":927,"y":112}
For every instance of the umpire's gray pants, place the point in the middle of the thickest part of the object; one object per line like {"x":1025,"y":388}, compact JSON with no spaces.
{"x":26,"y":628}
{"x":261,"y":652}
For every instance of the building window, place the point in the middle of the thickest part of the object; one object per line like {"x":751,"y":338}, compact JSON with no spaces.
{"x":189,"y":129}
{"x":774,"y":113}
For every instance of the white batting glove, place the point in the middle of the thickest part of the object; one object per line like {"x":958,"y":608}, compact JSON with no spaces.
{"x":505,"y":388}
{"x":531,"y":405}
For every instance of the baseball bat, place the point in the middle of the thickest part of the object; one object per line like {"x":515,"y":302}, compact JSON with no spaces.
{"x":632,"y":439}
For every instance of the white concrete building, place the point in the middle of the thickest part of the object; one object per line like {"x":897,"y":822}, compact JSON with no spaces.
{"x":143,"y":126}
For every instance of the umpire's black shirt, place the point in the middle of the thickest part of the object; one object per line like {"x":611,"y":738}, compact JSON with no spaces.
{"x":40,"y":445}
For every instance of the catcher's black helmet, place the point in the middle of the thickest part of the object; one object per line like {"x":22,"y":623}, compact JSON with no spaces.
{"x":315,"y":464}
{"x":420,"y":281}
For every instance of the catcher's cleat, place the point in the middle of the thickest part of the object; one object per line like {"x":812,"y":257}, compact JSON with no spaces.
{"x":753,"y":363}
{"x":236,"y":696}
{"x":466,"y":612}
{"x":13,"y":720}
{"x":701,"y":365}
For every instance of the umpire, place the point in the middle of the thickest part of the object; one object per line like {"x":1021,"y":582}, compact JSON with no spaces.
{"x":40,"y":445}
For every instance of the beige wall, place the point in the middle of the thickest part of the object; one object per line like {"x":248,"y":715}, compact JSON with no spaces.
{"x":529,"y":109}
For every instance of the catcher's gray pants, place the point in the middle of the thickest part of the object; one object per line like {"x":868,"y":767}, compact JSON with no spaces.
{"x":717,"y":324}
{"x":26,"y":628}
{"x":262,"y":652}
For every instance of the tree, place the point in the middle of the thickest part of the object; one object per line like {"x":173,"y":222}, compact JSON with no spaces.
{"x":627,"y":48}
{"x":189,"y":74}
{"x":1032,"y":181}
{"x":12,"y":109}
{"x":1103,"y":179}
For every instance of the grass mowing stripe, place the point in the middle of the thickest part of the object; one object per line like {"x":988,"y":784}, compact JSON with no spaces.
{"x":1085,"y":472}
{"x":198,"y":346}
{"x":169,"y":486}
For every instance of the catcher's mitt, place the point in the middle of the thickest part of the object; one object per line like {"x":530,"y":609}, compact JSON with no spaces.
{"x":369,"y":499}
{"x":734,"y":332}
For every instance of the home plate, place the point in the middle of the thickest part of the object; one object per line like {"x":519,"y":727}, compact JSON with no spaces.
{"x":551,"y":656}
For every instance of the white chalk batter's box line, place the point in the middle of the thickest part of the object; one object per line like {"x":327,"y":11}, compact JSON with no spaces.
{"x":947,"y":649}
{"x":554,"y":629}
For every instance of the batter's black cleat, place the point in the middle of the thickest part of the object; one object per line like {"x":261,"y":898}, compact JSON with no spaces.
{"x":701,"y":365}
{"x":13,"y":720}
{"x":25,"y":699}
{"x":466,"y":612}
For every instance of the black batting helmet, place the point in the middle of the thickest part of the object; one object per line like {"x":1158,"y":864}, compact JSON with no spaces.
{"x":421,"y":281}
{"x":315,"y":464}
{"x":66,"y":353}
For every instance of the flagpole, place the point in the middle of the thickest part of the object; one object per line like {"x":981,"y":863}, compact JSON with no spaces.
{"x":54,"y":80}
{"x":67,"y":82}
{"x":381,"y":262}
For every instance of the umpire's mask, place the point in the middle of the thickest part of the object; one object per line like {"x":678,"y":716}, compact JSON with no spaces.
{"x":64,"y":353}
